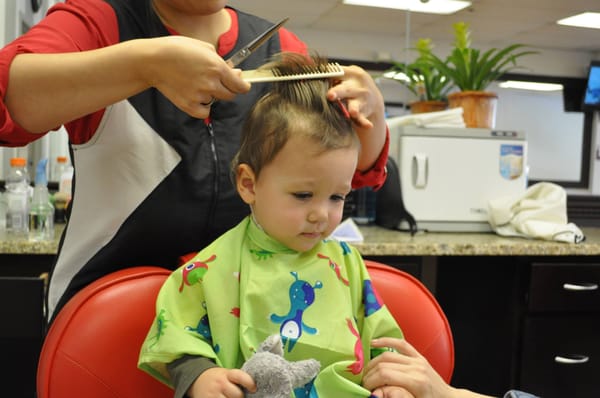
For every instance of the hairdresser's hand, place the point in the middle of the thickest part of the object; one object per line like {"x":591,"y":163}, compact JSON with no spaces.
{"x":406,"y":369}
{"x":221,"y":383}
{"x":406,"y":373}
{"x":190,"y":73}
{"x":358,"y":91}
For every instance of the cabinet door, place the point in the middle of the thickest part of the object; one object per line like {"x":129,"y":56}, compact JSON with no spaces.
{"x":409,"y":264}
{"x":564,"y":287}
{"x":561,"y":356}
{"x":21,"y":333}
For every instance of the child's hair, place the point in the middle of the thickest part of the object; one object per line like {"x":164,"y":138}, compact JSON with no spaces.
{"x":293,"y":107}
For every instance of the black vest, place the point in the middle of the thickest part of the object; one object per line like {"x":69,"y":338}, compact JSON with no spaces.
{"x":196,"y":202}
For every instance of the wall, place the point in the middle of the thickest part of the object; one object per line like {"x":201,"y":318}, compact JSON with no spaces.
{"x":555,"y":140}
{"x":350,"y":45}
{"x":363,"y":47}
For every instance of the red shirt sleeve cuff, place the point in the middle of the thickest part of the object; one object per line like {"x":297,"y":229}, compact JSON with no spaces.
{"x":375,"y":176}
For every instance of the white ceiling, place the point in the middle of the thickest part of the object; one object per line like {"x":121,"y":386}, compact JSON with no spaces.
{"x":494,"y":23}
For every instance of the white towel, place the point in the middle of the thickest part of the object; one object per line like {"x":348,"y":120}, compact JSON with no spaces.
{"x":540,"y":212}
{"x":449,"y":118}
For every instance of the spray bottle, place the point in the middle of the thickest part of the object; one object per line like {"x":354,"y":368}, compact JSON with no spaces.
{"x":41,"y":213}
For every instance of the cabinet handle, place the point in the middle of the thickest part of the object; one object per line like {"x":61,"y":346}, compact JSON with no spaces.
{"x":580,"y":286}
{"x":420,"y":170}
{"x":572,"y":360}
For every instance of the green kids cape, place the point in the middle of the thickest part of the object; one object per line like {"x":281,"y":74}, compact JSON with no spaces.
{"x":246,"y":286}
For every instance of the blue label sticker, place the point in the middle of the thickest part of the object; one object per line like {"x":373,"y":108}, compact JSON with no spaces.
{"x":511,"y":161}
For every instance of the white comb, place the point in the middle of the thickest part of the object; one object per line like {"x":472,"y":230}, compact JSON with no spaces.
{"x":271,"y":75}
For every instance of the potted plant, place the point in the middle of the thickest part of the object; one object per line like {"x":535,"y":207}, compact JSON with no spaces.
{"x":426,"y":82}
{"x":472,"y":71}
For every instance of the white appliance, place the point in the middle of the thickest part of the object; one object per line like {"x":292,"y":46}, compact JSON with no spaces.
{"x":448,"y":175}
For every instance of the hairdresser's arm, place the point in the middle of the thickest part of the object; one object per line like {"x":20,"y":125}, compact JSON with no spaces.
{"x":47,"y":90}
{"x":366,"y":107}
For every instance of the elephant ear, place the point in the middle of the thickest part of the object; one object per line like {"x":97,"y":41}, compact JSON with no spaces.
{"x":273,"y":345}
{"x":301,"y":372}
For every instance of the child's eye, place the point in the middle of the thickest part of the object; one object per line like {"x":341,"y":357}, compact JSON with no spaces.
{"x":338,"y":198}
{"x":302,"y":195}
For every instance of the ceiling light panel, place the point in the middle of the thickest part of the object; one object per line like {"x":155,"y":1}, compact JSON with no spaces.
{"x":428,"y":6}
{"x":583,"y":20}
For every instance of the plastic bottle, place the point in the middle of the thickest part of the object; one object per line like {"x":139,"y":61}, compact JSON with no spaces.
{"x":64,"y":174}
{"x":17,"y":199}
{"x":41,"y":213}
{"x":59,"y":167}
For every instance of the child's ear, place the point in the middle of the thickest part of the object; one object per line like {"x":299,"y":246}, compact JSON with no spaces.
{"x":245,"y":181}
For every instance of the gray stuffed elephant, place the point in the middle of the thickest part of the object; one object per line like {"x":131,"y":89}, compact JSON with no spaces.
{"x":274,"y":376}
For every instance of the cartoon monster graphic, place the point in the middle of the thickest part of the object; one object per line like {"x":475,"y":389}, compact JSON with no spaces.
{"x":161,"y":325}
{"x":345,"y":248}
{"x":357,"y":366}
{"x":307,"y":391}
{"x":262,"y":254}
{"x":194,"y":272}
{"x":302,"y":295}
{"x":203,"y":326}
{"x":336,"y":268}
{"x":371,"y":300}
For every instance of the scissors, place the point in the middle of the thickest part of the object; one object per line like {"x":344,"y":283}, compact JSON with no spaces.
{"x":245,"y":52}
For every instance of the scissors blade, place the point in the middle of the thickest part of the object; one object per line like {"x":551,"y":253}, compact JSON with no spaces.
{"x":245,"y":52}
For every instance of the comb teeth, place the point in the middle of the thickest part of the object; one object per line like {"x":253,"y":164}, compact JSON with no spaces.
{"x":270,"y":75}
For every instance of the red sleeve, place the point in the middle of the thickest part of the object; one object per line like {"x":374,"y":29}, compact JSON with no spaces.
{"x":291,"y":42}
{"x":76,"y":25}
{"x":375,"y":176}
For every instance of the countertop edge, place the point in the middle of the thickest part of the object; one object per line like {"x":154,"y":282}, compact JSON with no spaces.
{"x":379,"y":241}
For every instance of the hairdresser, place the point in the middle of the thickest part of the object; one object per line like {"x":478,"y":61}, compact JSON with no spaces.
{"x":153,"y":113}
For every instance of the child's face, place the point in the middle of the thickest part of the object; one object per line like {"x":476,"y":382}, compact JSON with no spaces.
{"x":299,"y":197}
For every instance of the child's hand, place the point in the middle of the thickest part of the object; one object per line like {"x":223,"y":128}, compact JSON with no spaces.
{"x":221,"y":382}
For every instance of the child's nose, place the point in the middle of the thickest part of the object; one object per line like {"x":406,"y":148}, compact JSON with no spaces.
{"x":318,"y":214}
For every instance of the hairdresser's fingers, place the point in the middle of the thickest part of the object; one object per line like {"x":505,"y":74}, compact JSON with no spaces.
{"x":392,"y":392}
{"x":232,"y":84}
{"x":359,"y":91}
{"x":400,"y":345}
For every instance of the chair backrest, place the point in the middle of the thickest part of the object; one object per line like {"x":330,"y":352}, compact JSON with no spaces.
{"x":418,"y":314}
{"x":92,"y":347}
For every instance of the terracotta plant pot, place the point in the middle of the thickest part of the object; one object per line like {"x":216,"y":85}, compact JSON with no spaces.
{"x":427,"y":106}
{"x":479,"y":107}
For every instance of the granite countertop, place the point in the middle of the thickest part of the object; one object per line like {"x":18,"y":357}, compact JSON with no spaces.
{"x":23,"y":246}
{"x":383,"y":242}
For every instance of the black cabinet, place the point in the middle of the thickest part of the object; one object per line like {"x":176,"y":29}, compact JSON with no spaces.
{"x":409,"y":264}
{"x":482,"y":297}
{"x":560,"y":355}
{"x":21,"y":333}
{"x":23,"y":321}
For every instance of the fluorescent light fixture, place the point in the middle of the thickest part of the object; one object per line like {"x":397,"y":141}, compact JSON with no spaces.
{"x":531,"y":85}
{"x":427,"y":6}
{"x":583,"y":20}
